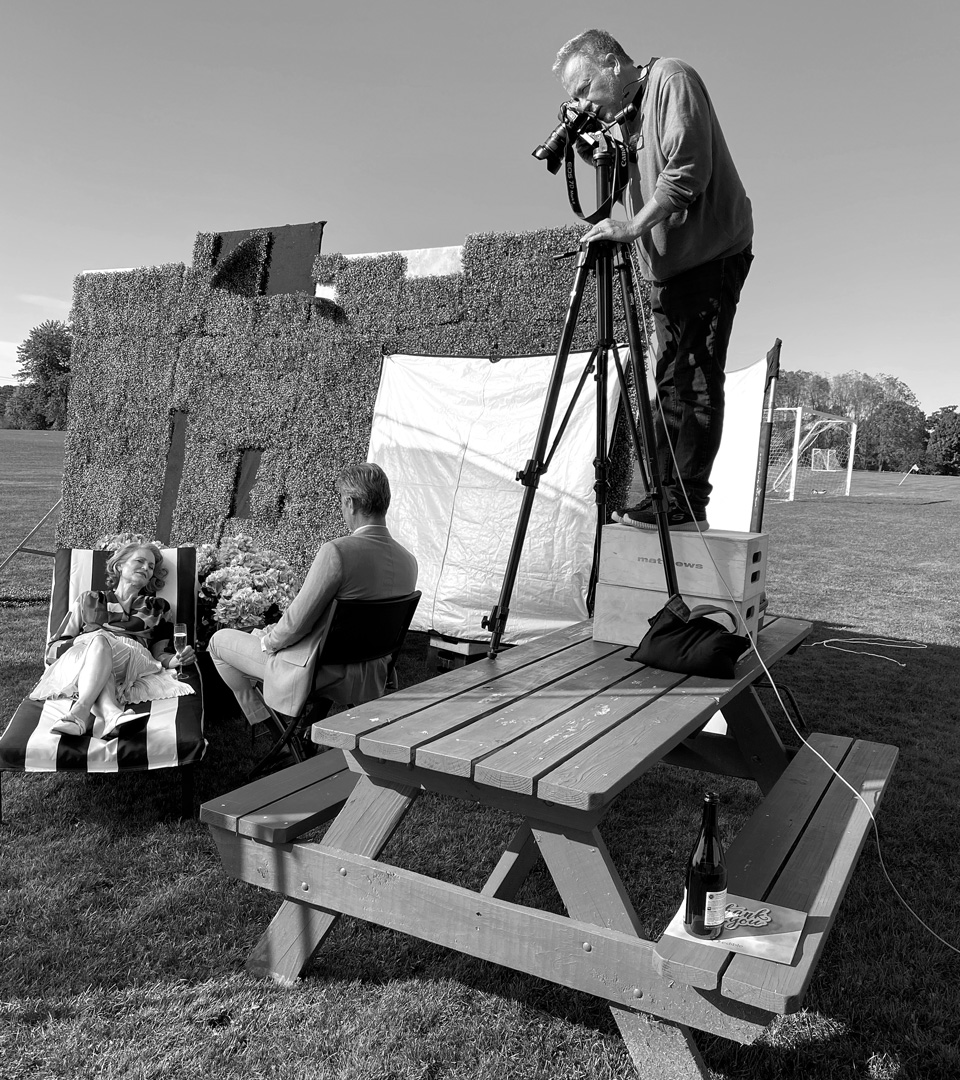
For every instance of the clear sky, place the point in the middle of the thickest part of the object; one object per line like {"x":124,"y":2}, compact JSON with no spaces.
{"x":128,"y":127}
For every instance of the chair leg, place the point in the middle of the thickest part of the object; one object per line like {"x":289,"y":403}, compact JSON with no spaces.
{"x":318,"y":711}
{"x":188,"y":797}
{"x":393,"y":682}
{"x":285,"y":741}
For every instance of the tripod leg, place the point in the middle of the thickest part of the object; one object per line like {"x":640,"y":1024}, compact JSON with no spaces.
{"x":627,"y":292}
{"x":601,"y":471}
{"x":530,"y":477}
{"x":631,"y":420}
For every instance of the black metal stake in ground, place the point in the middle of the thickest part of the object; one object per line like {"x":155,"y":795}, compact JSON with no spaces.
{"x":599,"y":257}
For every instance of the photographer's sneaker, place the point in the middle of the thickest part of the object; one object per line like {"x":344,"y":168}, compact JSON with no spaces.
{"x":679,"y":519}
{"x":642,"y":507}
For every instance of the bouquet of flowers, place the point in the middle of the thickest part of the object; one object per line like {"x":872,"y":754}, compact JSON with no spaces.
{"x":241,"y":586}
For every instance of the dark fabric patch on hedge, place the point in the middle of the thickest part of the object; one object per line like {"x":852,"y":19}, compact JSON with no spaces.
{"x":246,"y":478}
{"x":243,"y":269}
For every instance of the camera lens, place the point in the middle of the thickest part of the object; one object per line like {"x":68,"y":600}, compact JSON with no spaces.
{"x":551,"y":149}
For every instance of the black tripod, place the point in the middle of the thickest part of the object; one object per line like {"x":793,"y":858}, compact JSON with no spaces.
{"x":601,"y":258}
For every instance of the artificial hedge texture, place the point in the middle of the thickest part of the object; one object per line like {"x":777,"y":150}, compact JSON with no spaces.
{"x":290,"y":374}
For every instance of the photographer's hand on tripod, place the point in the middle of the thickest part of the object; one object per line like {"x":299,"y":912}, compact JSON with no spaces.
{"x":622,"y":232}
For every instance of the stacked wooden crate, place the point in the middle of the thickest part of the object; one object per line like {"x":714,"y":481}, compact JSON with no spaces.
{"x":725,"y":569}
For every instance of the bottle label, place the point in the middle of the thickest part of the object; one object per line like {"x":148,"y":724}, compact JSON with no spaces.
{"x":714,"y":912}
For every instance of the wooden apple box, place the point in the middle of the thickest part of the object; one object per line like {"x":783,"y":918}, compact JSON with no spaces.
{"x":716,"y":563}
{"x":622,"y":614}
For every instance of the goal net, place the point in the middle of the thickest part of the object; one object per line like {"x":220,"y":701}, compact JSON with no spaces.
{"x":811,"y":454}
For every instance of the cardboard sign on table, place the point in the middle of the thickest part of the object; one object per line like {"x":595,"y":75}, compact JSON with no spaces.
{"x":752,"y":926}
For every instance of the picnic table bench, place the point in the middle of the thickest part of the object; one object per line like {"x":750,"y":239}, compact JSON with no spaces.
{"x":553,"y":731}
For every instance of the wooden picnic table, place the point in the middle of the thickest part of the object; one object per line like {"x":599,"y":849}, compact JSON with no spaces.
{"x":553,"y":731}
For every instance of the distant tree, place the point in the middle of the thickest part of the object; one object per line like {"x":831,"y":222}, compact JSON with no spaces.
{"x":819,"y":393}
{"x":6,"y":392}
{"x":803,"y":388}
{"x":893,"y":436}
{"x":790,"y":387}
{"x":45,"y":366}
{"x":859,"y":395}
{"x":895,"y":389}
{"x":855,"y":394}
{"x":26,"y":409}
{"x":943,"y":444}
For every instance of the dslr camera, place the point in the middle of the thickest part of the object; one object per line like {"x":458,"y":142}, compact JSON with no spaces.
{"x":574,"y":123}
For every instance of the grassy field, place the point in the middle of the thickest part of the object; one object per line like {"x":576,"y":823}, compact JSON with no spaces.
{"x":122,"y":944}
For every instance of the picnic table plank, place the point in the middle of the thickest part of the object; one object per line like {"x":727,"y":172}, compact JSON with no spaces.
{"x":520,"y":765}
{"x":300,"y":811}
{"x":458,"y":752}
{"x":577,"y":953}
{"x":344,"y":729}
{"x":596,"y":774}
{"x":227,"y":810}
{"x":400,"y":740}
{"x":815,"y":880}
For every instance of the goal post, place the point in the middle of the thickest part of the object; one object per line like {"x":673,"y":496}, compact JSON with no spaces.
{"x":811,"y":454}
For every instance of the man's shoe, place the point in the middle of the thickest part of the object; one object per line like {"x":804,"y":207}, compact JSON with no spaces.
{"x":645,"y":504}
{"x":679,"y":519}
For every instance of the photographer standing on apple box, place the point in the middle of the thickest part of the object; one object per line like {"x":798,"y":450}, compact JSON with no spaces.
{"x":692,"y":226}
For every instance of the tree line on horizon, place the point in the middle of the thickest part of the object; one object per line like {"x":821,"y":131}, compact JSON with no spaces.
{"x":893,"y":433}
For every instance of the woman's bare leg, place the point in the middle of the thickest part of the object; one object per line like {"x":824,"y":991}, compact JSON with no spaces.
{"x":97,"y":670}
{"x":107,"y":705}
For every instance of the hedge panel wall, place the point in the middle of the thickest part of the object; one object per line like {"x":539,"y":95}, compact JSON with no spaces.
{"x":292,"y":375}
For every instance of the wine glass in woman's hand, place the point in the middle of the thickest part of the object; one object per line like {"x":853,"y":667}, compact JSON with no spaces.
{"x":179,"y":644}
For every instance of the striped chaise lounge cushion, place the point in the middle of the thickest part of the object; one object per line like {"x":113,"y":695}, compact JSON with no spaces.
{"x":169,"y":736}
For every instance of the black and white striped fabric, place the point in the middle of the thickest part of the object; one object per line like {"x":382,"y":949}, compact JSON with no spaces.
{"x":170,"y":735}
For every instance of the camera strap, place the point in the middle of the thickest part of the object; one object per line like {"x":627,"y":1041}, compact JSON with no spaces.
{"x":618,"y":183}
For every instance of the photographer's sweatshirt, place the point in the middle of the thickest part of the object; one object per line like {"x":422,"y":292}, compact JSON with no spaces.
{"x":683,"y":162}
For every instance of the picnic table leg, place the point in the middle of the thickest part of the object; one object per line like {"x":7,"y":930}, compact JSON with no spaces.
{"x":515,"y":864}
{"x":749,"y":723}
{"x":363,"y":826}
{"x":591,"y":889}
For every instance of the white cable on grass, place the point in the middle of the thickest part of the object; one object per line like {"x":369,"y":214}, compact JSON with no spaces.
{"x":830,"y":643}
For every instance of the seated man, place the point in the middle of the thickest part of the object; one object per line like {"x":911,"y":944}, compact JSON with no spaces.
{"x":366,"y":565}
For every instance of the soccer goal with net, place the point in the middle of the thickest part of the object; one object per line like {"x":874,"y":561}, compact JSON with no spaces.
{"x":811,"y":454}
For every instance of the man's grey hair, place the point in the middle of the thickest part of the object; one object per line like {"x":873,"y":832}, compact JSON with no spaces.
{"x":368,"y":486}
{"x":592,"y":44}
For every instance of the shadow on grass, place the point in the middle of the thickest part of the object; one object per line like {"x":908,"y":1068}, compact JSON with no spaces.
{"x":130,"y":899}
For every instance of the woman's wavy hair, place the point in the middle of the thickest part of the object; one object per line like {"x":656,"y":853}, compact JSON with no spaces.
{"x":121,"y":555}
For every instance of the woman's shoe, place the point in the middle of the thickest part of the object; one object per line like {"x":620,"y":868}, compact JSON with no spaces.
{"x":71,"y":724}
{"x":112,"y":725}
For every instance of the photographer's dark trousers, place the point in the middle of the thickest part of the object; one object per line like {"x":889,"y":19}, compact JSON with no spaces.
{"x":693,"y":314}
